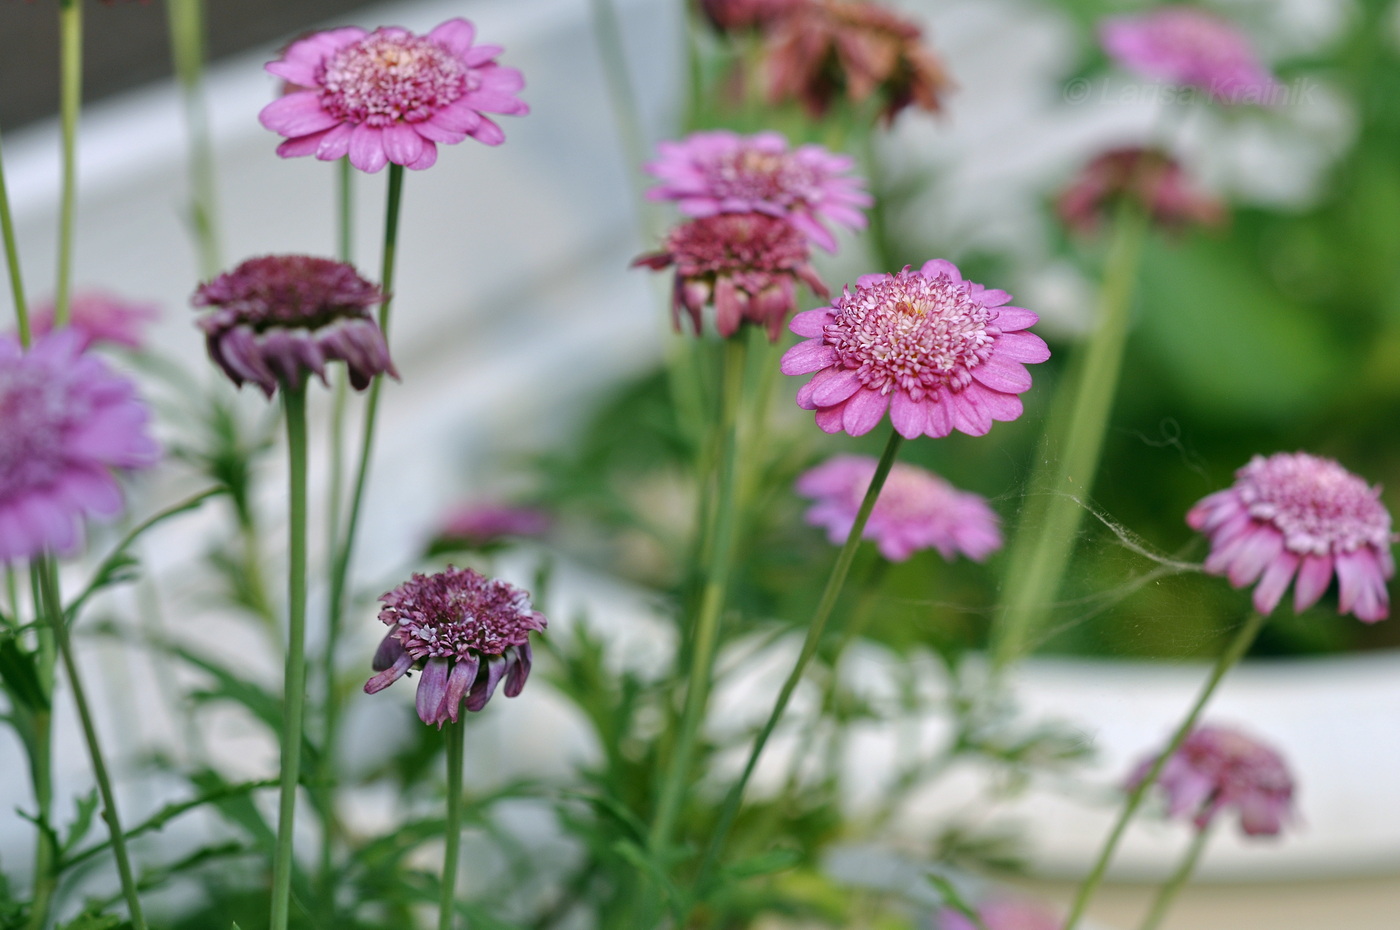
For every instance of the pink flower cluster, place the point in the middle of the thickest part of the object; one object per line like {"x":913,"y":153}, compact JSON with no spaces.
{"x":1190,"y":46}
{"x":99,"y":318}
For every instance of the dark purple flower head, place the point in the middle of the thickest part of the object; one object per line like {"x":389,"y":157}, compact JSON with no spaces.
{"x":66,"y":420}
{"x":278,"y":317}
{"x":1151,"y":177}
{"x":1220,"y":767}
{"x":746,"y":264}
{"x":466,"y":632}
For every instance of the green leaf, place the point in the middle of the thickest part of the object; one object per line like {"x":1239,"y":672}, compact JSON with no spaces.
{"x":776,"y":860}
{"x":20,"y":678}
{"x":87,"y":806}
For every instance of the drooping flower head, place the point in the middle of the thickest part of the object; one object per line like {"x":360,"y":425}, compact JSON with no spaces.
{"x":825,"y":49}
{"x":939,"y":353}
{"x":916,"y":509}
{"x":1297,"y":514}
{"x":1149,"y":176}
{"x":99,"y":318}
{"x":1000,"y":914}
{"x":736,"y":15}
{"x":66,"y":420}
{"x":723,"y":172}
{"x":484,"y":525}
{"x":278,"y":317}
{"x":1190,"y":46}
{"x":746,"y":264}
{"x":389,"y":95}
{"x":466,"y":631}
{"x":1220,"y":767}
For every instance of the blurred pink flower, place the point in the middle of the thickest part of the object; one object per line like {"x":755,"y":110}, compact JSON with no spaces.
{"x":1001,"y":914}
{"x":723,"y":172}
{"x":1298,"y":514}
{"x":1220,"y":767}
{"x":939,"y":353}
{"x":1149,"y":176}
{"x":390,"y":96}
{"x":66,"y":420}
{"x":99,"y":317}
{"x":916,"y":510}
{"x":1191,"y":46}
{"x":733,"y":15}
{"x":481,"y":525}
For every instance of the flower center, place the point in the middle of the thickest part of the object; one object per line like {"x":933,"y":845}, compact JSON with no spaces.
{"x":34,"y":412}
{"x":757,"y":176}
{"x":389,"y":76}
{"x":913,"y":332}
{"x":1318,"y":506}
{"x":736,"y":242}
{"x":456,"y":612}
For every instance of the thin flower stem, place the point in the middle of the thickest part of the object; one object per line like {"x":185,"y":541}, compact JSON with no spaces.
{"x":1231,"y":654}
{"x":7,"y":227}
{"x":187,"y":55}
{"x":70,"y":100}
{"x":456,"y":749}
{"x":1163,"y":902}
{"x":53,"y":607}
{"x":834,"y":584}
{"x":1070,"y":453}
{"x":294,"y":686}
{"x":41,"y":761}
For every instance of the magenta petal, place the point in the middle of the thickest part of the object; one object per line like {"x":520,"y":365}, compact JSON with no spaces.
{"x":334,"y":144}
{"x":455,"y":35}
{"x":811,"y":322}
{"x":829,"y":419}
{"x":907,"y":415}
{"x":938,"y":413}
{"x":367,"y":149}
{"x":1274,"y":581}
{"x":487,"y":133}
{"x":937,"y":266}
{"x":1022,"y":347}
{"x":297,"y":114}
{"x":303,"y":145}
{"x":402,"y":145}
{"x":832,"y":389}
{"x":519,"y":670}
{"x":432,"y":692}
{"x":1014,"y":319}
{"x":426,"y":159}
{"x":1002,"y":374}
{"x":486,"y":681}
{"x":390,"y":675}
{"x":864,"y":411}
{"x":807,"y":356}
{"x":1254,"y":555}
{"x":459,"y":681}
{"x":1313,"y":578}
{"x":968,"y":416}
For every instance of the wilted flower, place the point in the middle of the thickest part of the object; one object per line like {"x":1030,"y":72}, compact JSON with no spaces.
{"x":747,"y":264}
{"x":1191,"y":46}
{"x":1149,"y":176}
{"x":480,"y":526}
{"x":278,"y":317}
{"x":1000,"y":914}
{"x":389,"y":95}
{"x":1220,"y":767}
{"x":1298,"y":514}
{"x":827,"y":48}
{"x":939,"y":353}
{"x":98,"y":317}
{"x":916,"y":509}
{"x":66,"y":420}
{"x":731,"y":15}
{"x":723,"y":172}
{"x":466,"y":632}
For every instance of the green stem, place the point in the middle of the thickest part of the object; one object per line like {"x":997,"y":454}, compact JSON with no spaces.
{"x":834,"y":585}
{"x":70,"y":100}
{"x":456,"y":743}
{"x":45,"y":850}
{"x":1163,"y":902}
{"x":294,"y":687}
{"x":1232,"y":654}
{"x":54,"y":609}
{"x":7,"y":227}
{"x":1061,"y":482}
{"x":187,"y":55}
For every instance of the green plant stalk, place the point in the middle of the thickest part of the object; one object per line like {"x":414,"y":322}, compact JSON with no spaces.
{"x":456,"y":749}
{"x":70,"y":101}
{"x":187,"y":55}
{"x":835,"y":582}
{"x":40,"y":746}
{"x":7,"y":227}
{"x":1069,"y":454}
{"x":1163,"y":902}
{"x":54,"y":609}
{"x":294,"y":686}
{"x":1231,"y":654}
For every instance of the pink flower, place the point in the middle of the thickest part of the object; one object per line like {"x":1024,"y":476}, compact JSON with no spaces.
{"x":1149,"y":176}
{"x":1000,"y":914}
{"x":480,"y":526}
{"x":1297,"y":514}
{"x":66,"y":420}
{"x":939,"y":353}
{"x":747,"y":264}
{"x":280,"y":316}
{"x":723,"y":172}
{"x":735,"y":15}
{"x":1219,"y":767}
{"x":1188,"y":45}
{"x":466,"y":632}
{"x":916,"y":510}
{"x":99,"y":318}
{"x":389,"y":95}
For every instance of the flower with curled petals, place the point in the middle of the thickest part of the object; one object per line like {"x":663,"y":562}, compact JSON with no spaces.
{"x":1190,"y":46}
{"x":937,"y":352}
{"x":466,"y":631}
{"x":389,"y":95}
{"x":1297,"y":515}
{"x":1150,"y":177}
{"x":723,"y":172}
{"x":1000,"y":914}
{"x":278,"y":317}
{"x":66,"y":420}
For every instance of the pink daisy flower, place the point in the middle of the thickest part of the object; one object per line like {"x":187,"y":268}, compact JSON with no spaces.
{"x":1149,"y":176}
{"x":466,"y":632}
{"x":278,"y":317}
{"x":1294,"y":514}
{"x":723,"y":172}
{"x":99,"y":317}
{"x":481,"y":526}
{"x":1220,"y":767}
{"x":747,"y":264}
{"x":939,"y":353}
{"x":1001,"y":914}
{"x":916,"y":510}
{"x":389,"y":95}
{"x":66,"y":420}
{"x":1188,"y":45}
